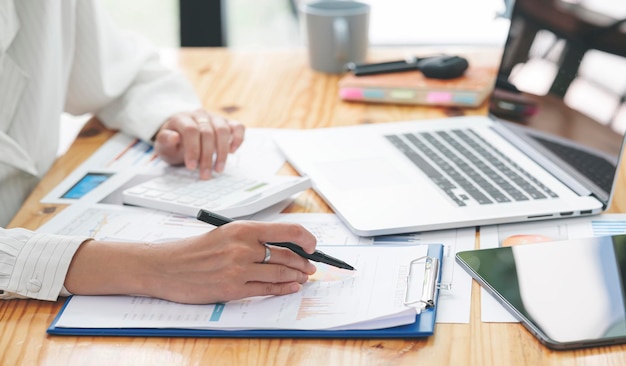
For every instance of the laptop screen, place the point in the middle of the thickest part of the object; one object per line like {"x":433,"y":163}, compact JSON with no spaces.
{"x":563,"y":72}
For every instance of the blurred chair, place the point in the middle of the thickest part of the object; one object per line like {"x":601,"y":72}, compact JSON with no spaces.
{"x":603,"y":43}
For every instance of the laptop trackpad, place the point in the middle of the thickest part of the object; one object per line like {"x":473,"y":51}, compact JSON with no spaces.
{"x":362,"y":173}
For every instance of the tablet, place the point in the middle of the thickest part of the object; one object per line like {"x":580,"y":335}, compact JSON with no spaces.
{"x":569,"y":294}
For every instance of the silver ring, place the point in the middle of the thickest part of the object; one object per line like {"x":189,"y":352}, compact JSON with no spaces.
{"x":201,"y":120}
{"x":268,"y":254}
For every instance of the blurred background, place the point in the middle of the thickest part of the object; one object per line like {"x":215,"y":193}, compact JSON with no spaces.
{"x":267,"y":24}
{"x":274,"y":23}
{"x":270,"y":24}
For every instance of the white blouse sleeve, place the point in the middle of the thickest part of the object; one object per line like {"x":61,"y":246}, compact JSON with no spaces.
{"x":34,"y":265}
{"x":119,"y":75}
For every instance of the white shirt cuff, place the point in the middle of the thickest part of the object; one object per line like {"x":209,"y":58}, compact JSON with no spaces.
{"x":41,"y":266}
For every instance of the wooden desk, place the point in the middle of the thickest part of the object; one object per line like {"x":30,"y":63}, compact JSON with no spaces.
{"x":272,"y":89}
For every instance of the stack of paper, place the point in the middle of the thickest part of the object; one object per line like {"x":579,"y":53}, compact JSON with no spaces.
{"x":371,"y":297}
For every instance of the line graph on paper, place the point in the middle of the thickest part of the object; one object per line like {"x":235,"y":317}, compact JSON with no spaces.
{"x":101,"y":223}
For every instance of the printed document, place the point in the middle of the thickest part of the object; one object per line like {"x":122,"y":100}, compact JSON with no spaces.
{"x":125,"y":223}
{"x":371,"y":297}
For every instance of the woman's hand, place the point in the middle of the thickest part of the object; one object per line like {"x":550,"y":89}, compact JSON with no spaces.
{"x":198,"y":139}
{"x":221,"y":265}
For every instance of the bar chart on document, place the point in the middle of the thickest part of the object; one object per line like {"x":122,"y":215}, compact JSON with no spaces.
{"x":320,"y":284}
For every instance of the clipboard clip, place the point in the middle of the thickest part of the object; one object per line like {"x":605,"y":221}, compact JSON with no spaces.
{"x":429,"y":285}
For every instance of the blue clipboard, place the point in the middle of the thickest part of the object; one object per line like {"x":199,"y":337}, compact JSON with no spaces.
{"x":424,"y":325}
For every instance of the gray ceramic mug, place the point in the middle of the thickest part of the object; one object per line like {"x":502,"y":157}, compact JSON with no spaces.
{"x":337,"y":34}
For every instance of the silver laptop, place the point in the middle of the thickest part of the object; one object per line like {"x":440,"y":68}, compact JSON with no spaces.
{"x":541,"y":153}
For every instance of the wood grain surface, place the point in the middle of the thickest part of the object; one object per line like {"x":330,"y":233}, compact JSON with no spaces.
{"x":276,"y":89}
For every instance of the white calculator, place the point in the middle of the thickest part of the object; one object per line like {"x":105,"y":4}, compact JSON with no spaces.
{"x":181,"y":191}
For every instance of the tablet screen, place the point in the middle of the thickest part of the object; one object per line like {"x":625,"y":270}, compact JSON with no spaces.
{"x":570,"y":294}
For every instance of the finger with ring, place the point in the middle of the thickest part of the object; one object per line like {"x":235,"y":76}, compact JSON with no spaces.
{"x":268,"y":254}
{"x":201,"y":120}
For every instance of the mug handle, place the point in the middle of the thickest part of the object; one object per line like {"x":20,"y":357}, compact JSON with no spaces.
{"x":340,"y":28}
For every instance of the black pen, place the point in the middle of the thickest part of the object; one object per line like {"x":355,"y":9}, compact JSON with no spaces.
{"x":317,"y":256}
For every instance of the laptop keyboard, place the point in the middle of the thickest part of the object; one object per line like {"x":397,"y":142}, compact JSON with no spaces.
{"x":467,"y":168}
{"x":591,"y":166}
